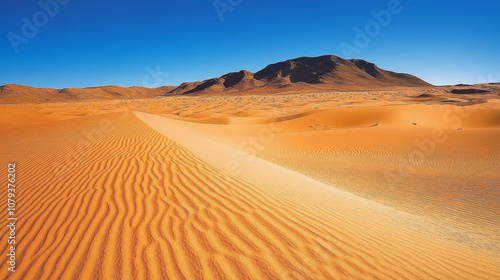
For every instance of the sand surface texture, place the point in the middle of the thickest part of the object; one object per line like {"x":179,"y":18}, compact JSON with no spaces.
{"x":313,"y":186}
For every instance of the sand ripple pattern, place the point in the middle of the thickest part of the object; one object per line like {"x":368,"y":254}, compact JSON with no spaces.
{"x":136,"y":205}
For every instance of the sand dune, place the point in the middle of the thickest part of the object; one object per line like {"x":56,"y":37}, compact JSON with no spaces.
{"x":105,"y":193}
{"x":357,"y":147}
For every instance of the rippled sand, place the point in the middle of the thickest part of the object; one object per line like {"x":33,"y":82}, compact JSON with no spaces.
{"x":255,"y":187}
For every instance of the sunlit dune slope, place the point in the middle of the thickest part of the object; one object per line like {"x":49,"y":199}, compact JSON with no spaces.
{"x":438,"y":161}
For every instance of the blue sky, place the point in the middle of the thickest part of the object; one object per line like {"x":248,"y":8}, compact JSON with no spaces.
{"x":110,"y":42}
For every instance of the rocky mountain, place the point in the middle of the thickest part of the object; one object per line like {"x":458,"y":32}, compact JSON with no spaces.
{"x":322,"y":72}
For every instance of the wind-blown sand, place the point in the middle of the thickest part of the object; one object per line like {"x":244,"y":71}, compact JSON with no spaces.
{"x":109,"y":193}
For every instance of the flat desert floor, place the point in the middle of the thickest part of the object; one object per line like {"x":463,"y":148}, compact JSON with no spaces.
{"x":344,"y":185}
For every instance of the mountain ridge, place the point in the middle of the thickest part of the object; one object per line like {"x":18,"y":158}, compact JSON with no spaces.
{"x":328,"y":71}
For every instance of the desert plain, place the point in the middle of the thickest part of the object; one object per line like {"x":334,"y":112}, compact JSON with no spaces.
{"x":399,"y":183}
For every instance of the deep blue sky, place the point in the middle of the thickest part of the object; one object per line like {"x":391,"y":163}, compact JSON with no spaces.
{"x":103,"y":42}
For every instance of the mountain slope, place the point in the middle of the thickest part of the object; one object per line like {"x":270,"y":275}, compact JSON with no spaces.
{"x":329,"y":71}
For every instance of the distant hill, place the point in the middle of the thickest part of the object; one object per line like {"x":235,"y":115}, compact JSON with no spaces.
{"x":12,"y":93}
{"x":322,"y":72}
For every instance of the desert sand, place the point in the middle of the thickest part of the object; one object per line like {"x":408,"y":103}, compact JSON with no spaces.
{"x":386,"y":184}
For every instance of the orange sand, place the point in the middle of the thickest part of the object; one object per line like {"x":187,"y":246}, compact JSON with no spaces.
{"x":172,"y":188}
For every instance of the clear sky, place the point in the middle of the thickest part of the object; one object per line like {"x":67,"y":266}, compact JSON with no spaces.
{"x":110,"y":42}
